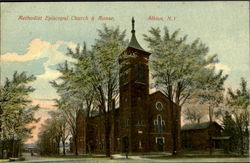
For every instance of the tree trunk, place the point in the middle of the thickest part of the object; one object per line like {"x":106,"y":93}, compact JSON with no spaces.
{"x":86,"y":134}
{"x":209,"y":131}
{"x":241,"y":142}
{"x":1,"y":141}
{"x":2,"y":155}
{"x":173,"y":128}
{"x":76,"y":148}
{"x":178,"y":121}
{"x":176,"y":114}
{"x":13,"y":148}
{"x":58,"y":148}
{"x":89,"y":150}
{"x":19,"y":149}
{"x":107,"y":137}
{"x":64,"y":152}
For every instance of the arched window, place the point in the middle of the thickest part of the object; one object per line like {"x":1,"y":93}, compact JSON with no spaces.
{"x":159,"y":118}
{"x":159,"y":124}
{"x":159,"y":106}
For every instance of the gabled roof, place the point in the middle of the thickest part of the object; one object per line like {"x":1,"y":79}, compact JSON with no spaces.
{"x":156,"y":92}
{"x":196,"y":126}
{"x":151,"y":95}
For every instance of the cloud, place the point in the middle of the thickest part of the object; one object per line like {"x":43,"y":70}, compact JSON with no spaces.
{"x":35,"y":49}
{"x":42,"y":49}
{"x":39,"y":49}
{"x":225,"y":68}
{"x":219,"y":66}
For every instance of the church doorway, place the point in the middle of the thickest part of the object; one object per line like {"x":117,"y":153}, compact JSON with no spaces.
{"x":160,"y":144}
{"x":125,"y":144}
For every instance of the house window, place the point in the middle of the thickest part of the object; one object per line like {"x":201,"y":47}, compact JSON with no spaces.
{"x":159,"y":106}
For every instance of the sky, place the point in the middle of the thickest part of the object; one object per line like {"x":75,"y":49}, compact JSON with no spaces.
{"x":38,"y":46}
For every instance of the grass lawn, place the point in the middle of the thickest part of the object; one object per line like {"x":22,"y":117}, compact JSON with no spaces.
{"x":150,"y":155}
{"x":198,"y":154}
{"x":78,"y":157}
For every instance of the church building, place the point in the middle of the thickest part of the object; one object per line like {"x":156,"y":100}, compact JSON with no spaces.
{"x":142,"y":123}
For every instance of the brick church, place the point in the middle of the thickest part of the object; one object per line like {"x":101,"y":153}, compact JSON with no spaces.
{"x":142,"y":123}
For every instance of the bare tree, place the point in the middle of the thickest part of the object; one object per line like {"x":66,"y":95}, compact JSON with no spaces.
{"x":194,"y":115}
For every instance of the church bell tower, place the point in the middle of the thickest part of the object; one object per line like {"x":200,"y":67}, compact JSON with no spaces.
{"x":134,"y":91}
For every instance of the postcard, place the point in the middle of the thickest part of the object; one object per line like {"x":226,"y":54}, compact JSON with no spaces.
{"x":141,"y":81}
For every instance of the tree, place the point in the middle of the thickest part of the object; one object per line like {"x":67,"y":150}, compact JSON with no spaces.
{"x":61,"y":127}
{"x":64,"y":132}
{"x":193,"y":115}
{"x":212,"y":94}
{"x":16,"y":112}
{"x":230,"y":129}
{"x":177,"y":68}
{"x":74,"y":89}
{"x":212,"y":90}
{"x":239,"y":103}
{"x":105,"y":74}
{"x":50,"y":136}
{"x":93,"y":79}
{"x":80,"y":81}
{"x":69,"y":109}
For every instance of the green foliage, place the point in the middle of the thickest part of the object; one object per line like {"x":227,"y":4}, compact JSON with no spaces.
{"x":91,"y":82}
{"x":230,"y":129}
{"x":178,"y":67}
{"x":52,"y":133}
{"x":236,"y":121}
{"x":240,"y":99}
{"x":15,"y":112}
{"x":181,"y":70}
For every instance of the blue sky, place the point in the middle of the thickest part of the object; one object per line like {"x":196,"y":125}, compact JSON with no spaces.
{"x":38,"y":46}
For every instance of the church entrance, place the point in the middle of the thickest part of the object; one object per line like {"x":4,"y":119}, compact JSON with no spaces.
{"x":125,"y":144}
{"x":160,"y":144}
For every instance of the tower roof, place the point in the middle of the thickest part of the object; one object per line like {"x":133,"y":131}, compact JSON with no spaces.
{"x":133,"y":41}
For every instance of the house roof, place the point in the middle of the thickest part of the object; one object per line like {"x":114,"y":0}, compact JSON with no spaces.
{"x":195,"y":126}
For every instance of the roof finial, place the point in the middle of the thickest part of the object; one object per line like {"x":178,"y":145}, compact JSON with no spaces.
{"x":133,"y":25}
